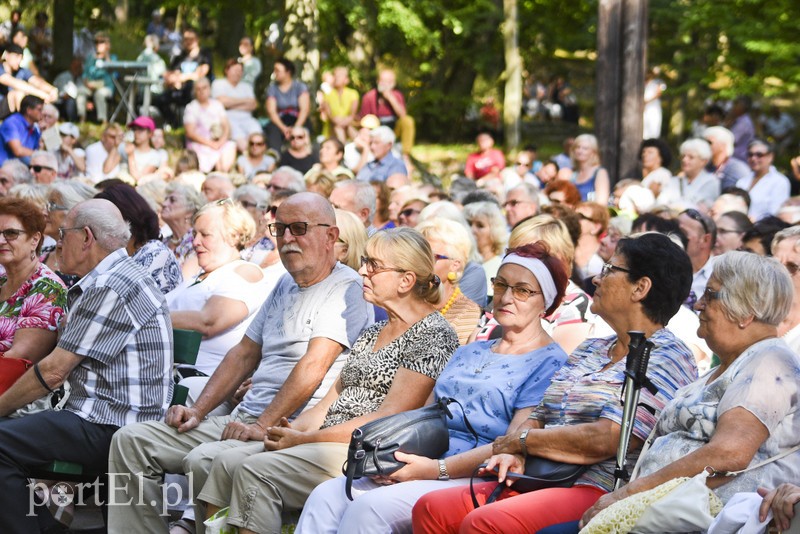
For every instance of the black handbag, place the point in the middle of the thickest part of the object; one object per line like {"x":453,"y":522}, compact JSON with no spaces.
{"x":422,"y":432}
{"x":539,"y":473}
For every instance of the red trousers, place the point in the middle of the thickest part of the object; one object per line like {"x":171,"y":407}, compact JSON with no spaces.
{"x":451,"y":510}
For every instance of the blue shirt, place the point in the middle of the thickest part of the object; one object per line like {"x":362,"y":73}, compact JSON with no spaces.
{"x":381,"y":170}
{"x":15,"y":127}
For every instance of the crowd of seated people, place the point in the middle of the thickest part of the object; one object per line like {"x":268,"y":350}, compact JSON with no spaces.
{"x":330,"y":288}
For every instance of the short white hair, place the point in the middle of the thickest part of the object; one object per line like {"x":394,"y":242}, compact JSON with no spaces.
{"x":721,"y":134}
{"x":48,"y":158}
{"x":363,"y":195}
{"x":698,"y":146}
{"x":297,"y":182}
{"x":105,"y":220}
{"x":384,"y":134}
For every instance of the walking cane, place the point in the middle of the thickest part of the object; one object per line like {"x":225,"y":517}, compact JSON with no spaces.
{"x":635,"y":378}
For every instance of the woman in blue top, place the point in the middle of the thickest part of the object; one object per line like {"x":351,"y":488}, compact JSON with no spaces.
{"x":499,"y":382}
{"x":587,"y":174}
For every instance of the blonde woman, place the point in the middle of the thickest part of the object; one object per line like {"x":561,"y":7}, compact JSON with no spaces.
{"x":451,"y":245}
{"x":589,"y":177}
{"x":352,"y":241}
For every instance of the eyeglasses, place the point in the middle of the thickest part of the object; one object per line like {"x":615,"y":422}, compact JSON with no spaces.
{"x":39,"y":168}
{"x":296,"y":137}
{"x":11,"y":234}
{"x":295,"y":228}
{"x":757,"y":154}
{"x":724,"y":231}
{"x":257,"y":143}
{"x":223,"y":201}
{"x":63,"y":231}
{"x":409,"y":212}
{"x":523,"y":164}
{"x":274,"y":187}
{"x":519,"y":293}
{"x":52,"y":206}
{"x":373,"y":267}
{"x":609,"y":267}
{"x":441,"y":257}
{"x":697,"y":216}
{"x":515,"y":203}
{"x":709,"y":294}
{"x":792,"y":267}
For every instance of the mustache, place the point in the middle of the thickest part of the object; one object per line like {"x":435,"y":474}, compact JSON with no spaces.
{"x":290,"y":247}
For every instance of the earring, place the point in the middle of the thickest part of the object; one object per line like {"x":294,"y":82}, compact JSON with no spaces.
{"x":741,"y":325}
{"x":33,"y":254}
{"x":451,"y":276}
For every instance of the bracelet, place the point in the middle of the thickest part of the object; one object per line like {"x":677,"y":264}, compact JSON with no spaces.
{"x":443,"y":470}
{"x":39,"y":377}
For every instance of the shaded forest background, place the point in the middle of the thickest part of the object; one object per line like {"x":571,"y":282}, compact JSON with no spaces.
{"x":450,"y":53}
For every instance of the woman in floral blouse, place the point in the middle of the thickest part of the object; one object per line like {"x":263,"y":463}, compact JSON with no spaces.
{"x":32,"y":297}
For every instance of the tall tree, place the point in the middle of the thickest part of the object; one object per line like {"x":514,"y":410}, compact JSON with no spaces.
{"x":64,"y":14}
{"x":512,"y":103}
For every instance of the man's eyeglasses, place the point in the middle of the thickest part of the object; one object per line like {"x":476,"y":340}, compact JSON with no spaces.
{"x":697,"y":216}
{"x":724,"y":231}
{"x":11,"y":234}
{"x":39,"y":168}
{"x":257,"y":143}
{"x":609,"y":267}
{"x":373,"y":267}
{"x":757,"y":154}
{"x":295,"y":228}
{"x":514,"y":203}
{"x":63,"y":231}
{"x":499,"y":288}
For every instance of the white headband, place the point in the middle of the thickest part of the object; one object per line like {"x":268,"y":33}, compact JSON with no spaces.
{"x":540,"y":271}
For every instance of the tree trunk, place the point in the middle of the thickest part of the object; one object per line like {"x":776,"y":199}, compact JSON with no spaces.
{"x":63,"y":25}
{"x":300,"y":41}
{"x":230,"y":28}
{"x":634,"y":59}
{"x":512,"y":101}
{"x":121,"y":11}
{"x":608,"y":83}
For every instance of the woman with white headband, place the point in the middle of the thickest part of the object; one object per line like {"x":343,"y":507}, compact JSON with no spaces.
{"x":578,"y":421}
{"x":499,"y":382}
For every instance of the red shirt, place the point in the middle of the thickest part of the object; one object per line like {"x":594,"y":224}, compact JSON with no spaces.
{"x":371,"y":104}
{"x":480,"y":164}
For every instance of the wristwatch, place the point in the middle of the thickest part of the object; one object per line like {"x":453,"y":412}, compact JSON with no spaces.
{"x":522,"y":438}
{"x":443,"y":470}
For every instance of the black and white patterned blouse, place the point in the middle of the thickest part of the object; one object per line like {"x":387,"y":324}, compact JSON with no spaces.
{"x":367,"y":376}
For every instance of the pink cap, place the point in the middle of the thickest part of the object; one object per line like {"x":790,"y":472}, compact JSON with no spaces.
{"x":143,"y":122}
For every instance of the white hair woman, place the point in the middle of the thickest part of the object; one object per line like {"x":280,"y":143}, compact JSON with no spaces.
{"x":491,"y":234}
{"x":180,"y":205}
{"x":698,"y":187}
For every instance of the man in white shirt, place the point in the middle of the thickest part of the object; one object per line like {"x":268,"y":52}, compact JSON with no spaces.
{"x":701,"y":233}
{"x":103,"y":157}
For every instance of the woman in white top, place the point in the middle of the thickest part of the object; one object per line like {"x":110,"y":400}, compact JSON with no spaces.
{"x":220,"y":301}
{"x":698,"y":187}
{"x":239,"y":100}
{"x":767,"y":187}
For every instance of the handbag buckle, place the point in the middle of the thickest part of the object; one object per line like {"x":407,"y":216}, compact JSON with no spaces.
{"x":360,"y":454}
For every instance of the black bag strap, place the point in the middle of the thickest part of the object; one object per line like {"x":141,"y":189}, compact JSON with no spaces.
{"x":495,"y":493}
{"x":355,"y":455}
{"x":444,"y":402}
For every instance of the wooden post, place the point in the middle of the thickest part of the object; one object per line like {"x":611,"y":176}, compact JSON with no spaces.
{"x":512,"y":100}
{"x":63,"y":25}
{"x":607,"y":114}
{"x":621,"y":57}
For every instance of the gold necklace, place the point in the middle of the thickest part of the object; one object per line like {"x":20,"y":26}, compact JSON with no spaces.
{"x":453,"y":297}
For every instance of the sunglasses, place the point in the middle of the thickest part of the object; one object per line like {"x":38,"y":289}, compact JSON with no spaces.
{"x":409,"y":212}
{"x":295,"y":228}
{"x":757,"y":154}
{"x":296,"y":137}
{"x":39,"y":168}
{"x":697,"y":216}
{"x":257,"y":143}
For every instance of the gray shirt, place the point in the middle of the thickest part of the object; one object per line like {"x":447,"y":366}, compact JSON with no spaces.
{"x":292,"y":316}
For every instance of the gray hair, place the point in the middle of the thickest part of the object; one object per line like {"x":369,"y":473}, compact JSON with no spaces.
{"x":722,"y":134}
{"x":531,"y":190}
{"x":753,"y":285}
{"x":443,"y":209}
{"x":71,"y":192}
{"x":788,"y":233}
{"x":193,"y":198}
{"x":297,"y":182}
{"x":698,"y":146}
{"x":363,"y":195}
{"x":384,"y":134}
{"x":105,"y":220}
{"x":52,"y":109}
{"x":259,"y":194}
{"x":19,"y":171}
{"x":497,"y":222}
{"x":48,"y":158}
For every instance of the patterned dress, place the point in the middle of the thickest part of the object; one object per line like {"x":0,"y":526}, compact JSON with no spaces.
{"x":38,"y":303}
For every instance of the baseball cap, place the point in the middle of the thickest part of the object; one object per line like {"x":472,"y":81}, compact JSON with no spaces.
{"x":143,"y":122}
{"x":370,"y":122}
{"x":69,"y":129}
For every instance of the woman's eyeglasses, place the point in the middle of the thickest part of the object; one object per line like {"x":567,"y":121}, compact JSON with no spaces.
{"x":373,"y":267}
{"x":520,"y":293}
{"x":11,"y":234}
{"x":608,"y":268}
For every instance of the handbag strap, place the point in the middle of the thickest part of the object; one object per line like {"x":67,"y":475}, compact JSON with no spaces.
{"x":444,"y":402}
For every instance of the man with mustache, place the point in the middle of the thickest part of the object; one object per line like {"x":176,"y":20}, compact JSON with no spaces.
{"x":294,"y":349}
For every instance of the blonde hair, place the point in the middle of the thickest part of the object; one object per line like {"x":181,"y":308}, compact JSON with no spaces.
{"x":551,"y":231}
{"x":456,"y":239}
{"x":354,"y":235}
{"x":237,"y":223}
{"x":590,"y":140}
{"x":407,"y":249}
